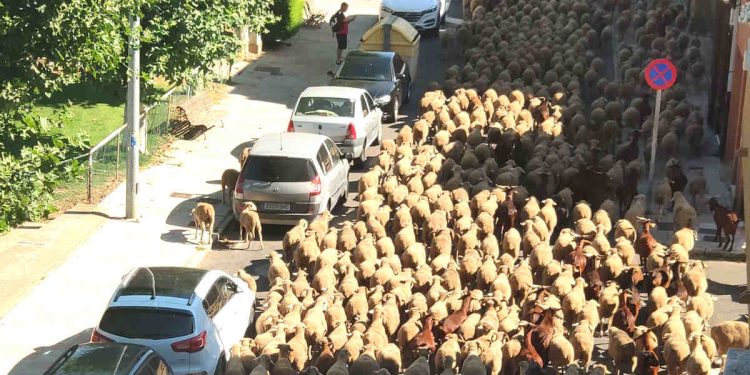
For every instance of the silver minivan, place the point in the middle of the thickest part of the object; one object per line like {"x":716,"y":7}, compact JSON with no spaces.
{"x":292,"y":176}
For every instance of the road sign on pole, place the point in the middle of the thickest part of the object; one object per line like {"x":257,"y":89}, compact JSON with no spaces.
{"x":660,"y":74}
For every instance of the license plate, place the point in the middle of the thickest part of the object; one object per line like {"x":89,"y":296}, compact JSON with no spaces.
{"x":276,"y":206}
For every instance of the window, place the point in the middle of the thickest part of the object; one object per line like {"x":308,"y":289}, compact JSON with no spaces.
{"x":335,"y":152}
{"x":147,"y":323}
{"x":154,"y":366}
{"x":372,"y":68}
{"x":365,"y":107}
{"x":324,"y":160}
{"x":398,"y":64}
{"x":370,"y":103}
{"x":218,"y":296}
{"x":332,"y":107}
{"x":278,"y":169}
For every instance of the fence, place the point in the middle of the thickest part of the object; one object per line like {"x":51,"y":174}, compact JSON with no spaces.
{"x":105,"y":162}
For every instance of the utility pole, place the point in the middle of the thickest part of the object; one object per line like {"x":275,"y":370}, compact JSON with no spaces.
{"x":133,"y":118}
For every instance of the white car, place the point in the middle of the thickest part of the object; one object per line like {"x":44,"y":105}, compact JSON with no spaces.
{"x":346,"y":115}
{"x":190,"y":316}
{"x":424,"y":15}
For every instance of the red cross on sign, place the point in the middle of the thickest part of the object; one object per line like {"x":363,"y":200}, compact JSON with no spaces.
{"x":660,"y":74}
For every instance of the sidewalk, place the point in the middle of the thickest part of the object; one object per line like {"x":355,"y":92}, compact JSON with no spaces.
{"x":58,"y":277}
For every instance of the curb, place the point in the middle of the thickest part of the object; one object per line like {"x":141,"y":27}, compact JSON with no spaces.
{"x":705,"y":254}
{"x":200,"y":252}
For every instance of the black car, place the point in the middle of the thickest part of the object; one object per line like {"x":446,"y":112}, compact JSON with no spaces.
{"x":384,"y":75}
{"x":109,"y":359}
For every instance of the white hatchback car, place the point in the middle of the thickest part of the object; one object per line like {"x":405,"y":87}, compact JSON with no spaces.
{"x":346,"y":115}
{"x":190,"y":316}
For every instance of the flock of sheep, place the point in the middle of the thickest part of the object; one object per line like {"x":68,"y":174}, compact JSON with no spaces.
{"x":504,"y":230}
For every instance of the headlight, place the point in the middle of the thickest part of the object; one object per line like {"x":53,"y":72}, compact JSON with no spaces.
{"x":431,"y":10}
{"x":385,"y":99}
{"x":386,"y":9}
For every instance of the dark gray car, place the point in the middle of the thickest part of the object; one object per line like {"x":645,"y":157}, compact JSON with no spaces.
{"x":385,"y":76}
{"x":109,"y":359}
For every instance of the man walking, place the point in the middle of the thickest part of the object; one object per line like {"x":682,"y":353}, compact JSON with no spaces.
{"x":340,"y":27}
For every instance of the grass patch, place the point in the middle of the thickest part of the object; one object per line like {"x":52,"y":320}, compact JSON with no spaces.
{"x":91,"y":109}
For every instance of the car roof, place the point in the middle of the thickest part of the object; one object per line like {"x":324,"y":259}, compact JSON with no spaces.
{"x":301,"y":145}
{"x":99,"y":358}
{"x":333,"y":92}
{"x":174,"y":282}
{"x":363,"y":53}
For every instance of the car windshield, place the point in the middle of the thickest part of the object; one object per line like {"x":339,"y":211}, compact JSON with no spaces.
{"x":333,"y":107}
{"x":147,"y":323}
{"x":365,"y":68}
{"x":278,"y":169}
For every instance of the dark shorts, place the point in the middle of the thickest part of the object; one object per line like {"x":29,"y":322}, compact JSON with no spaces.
{"x":341,"y":39}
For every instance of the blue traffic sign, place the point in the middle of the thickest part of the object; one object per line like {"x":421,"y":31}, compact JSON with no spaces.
{"x":660,"y":74}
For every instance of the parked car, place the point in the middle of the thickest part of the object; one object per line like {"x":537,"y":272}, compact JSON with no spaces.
{"x":190,"y":316}
{"x":346,"y":115}
{"x":292,"y":176}
{"x":423,"y":15}
{"x":384,"y":75}
{"x":109,"y":359}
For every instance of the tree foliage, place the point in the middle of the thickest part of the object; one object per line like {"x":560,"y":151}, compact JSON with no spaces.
{"x":46,"y":44}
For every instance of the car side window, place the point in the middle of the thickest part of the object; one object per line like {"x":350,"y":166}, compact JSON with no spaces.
{"x":335,"y":152}
{"x":154,"y":366}
{"x":398,"y":64}
{"x":217,"y":297}
{"x":365,"y":107}
{"x":324,"y":159}
{"x":369,"y":101}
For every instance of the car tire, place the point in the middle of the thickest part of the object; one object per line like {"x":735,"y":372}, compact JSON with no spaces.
{"x":221,"y":366}
{"x":407,"y":97}
{"x":361,"y":161}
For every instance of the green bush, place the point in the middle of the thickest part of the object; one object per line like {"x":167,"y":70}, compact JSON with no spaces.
{"x":290,"y":15}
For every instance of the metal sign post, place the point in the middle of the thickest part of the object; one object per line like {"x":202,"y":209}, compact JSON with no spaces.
{"x":133,"y":118}
{"x":660,"y":74}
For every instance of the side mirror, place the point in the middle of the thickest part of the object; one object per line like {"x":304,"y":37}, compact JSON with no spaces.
{"x":348,"y":156}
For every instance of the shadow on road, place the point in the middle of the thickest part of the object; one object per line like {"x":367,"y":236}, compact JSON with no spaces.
{"x":43,"y":357}
{"x":716,"y":288}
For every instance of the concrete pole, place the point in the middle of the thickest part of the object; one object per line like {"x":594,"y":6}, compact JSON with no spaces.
{"x":133,"y":109}
{"x":654,"y":135}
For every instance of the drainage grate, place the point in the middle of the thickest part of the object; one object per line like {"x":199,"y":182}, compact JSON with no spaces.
{"x":274,"y":70}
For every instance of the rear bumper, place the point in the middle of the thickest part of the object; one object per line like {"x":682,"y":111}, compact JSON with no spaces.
{"x":276,"y":218}
{"x":354,"y":147}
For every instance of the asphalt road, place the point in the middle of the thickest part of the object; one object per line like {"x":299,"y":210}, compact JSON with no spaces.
{"x":229,"y":254}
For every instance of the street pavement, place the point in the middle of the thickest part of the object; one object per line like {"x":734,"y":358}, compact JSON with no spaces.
{"x":63,"y":307}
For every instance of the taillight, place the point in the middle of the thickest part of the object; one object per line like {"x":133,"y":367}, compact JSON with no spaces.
{"x":351,"y":133}
{"x":290,"y":127}
{"x":96,"y":336}
{"x":316,"y":186}
{"x":191,"y":345}
{"x":239,"y":188}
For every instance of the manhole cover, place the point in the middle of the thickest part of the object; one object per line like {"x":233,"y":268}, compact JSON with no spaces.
{"x":181,"y":195}
{"x":274,"y":70}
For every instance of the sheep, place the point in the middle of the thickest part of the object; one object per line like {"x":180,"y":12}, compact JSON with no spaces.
{"x":730,"y":334}
{"x":662,"y":195}
{"x":582,"y":339}
{"x":698,"y":363}
{"x":686,"y":238}
{"x":228,"y":181}
{"x":250,"y":223}
{"x":277,"y":268}
{"x":264,"y":364}
{"x":684,"y":214}
{"x":581,"y":211}
{"x":244,"y":155}
{"x":204,"y":216}
{"x":561,"y":351}
{"x":624,"y":228}
{"x":292,"y":238}
{"x":676,"y":352}
{"x":248,"y":279}
{"x":622,"y":350}
{"x":637,"y":209}
{"x":694,"y":278}
{"x":340,"y":367}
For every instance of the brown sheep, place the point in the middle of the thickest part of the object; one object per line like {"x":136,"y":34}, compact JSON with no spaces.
{"x":228,"y":181}
{"x":204,"y":216}
{"x":250,"y":224}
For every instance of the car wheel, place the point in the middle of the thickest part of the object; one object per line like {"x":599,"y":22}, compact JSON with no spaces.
{"x":361,"y":161}
{"x":221,"y":366}
{"x":342,"y":199}
{"x":407,"y":97}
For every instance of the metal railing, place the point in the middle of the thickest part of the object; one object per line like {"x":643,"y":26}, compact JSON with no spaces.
{"x":105,"y":161}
